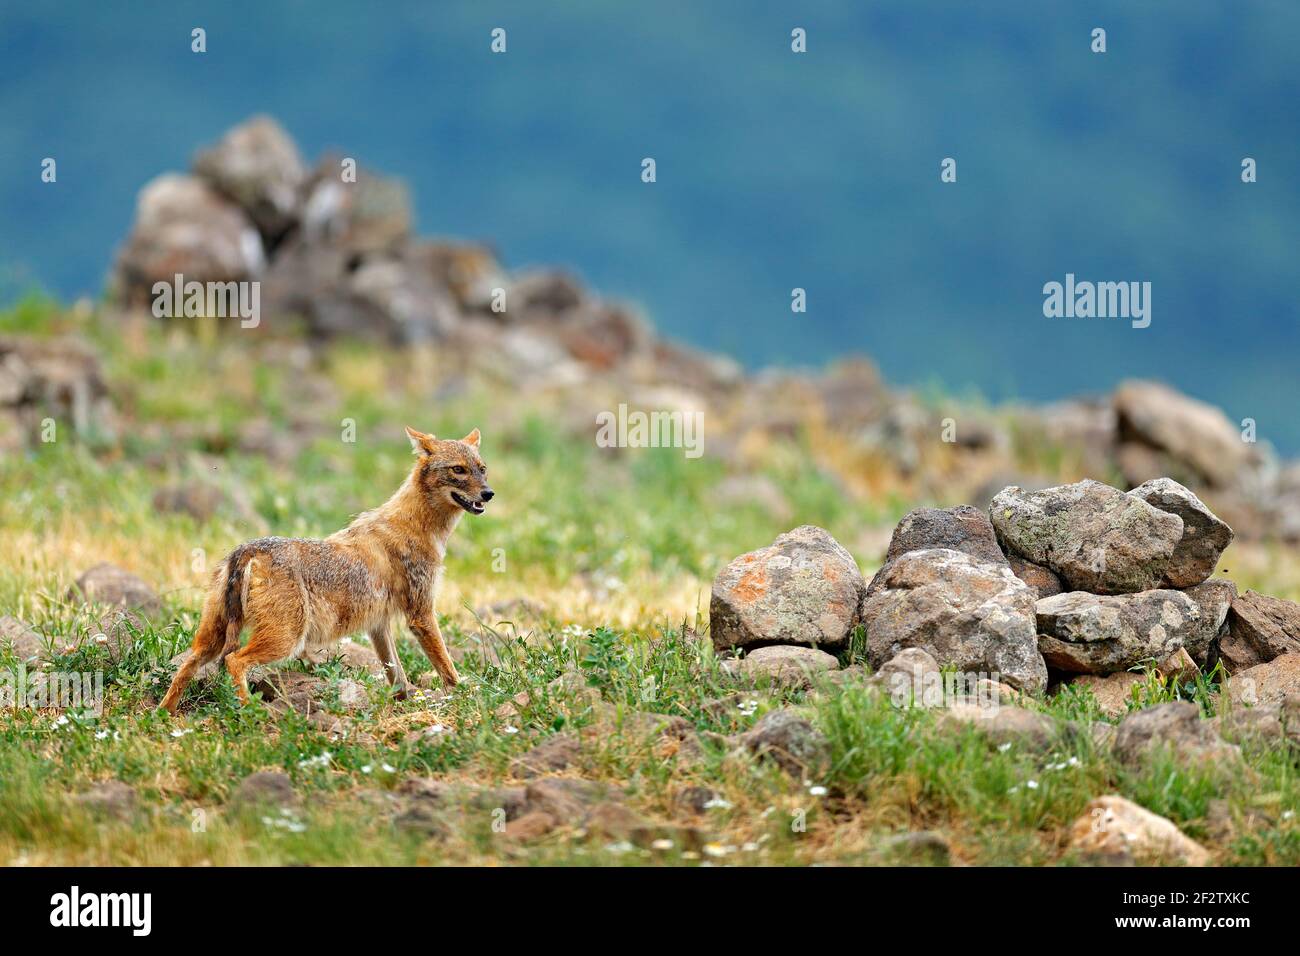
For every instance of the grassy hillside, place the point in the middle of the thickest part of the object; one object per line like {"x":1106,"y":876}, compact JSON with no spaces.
{"x":591,"y":562}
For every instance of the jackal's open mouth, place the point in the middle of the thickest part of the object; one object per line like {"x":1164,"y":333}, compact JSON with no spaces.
{"x":473,"y":507}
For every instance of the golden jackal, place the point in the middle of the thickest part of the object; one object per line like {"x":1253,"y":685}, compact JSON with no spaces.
{"x":302,"y":595}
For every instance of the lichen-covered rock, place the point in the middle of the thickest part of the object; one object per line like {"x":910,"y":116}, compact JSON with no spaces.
{"x":966,"y":613}
{"x":962,"y":528}
{"x":1260,"y":628}
{"x":1044,"y":582}
{"x":1119,"y":830}
{"x":1095,"y":537}
{"x":1214,"y":597}
{"x":1204,"y":536}
{"x":1103,"y":633}
{"x":804,"y":588}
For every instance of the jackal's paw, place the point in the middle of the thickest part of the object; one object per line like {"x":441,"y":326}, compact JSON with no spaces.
{"x":401,"y":691}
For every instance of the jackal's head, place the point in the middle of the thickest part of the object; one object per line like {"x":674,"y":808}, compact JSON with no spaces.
{"x":451,"y":471}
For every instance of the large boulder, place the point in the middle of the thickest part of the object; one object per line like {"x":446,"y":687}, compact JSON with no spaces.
{"x":257,"y":165}
{"x":1204,"y":536}
{"x":1260,"y":628}
{"x":966,"y":613}
{"x":1094,"y":536}
{"x":183,"y":226}
{"x":1191,"y":432}
{"x":1085,"y":633}
{"x":1214,"y":597}
{"x":962,"y":528}
{"x":804,"y":588}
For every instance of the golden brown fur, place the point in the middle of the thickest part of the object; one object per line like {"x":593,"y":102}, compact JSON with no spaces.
{"x":300,"y":595}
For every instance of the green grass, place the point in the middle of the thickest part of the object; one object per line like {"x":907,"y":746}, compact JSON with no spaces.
{"x":618,"y":550}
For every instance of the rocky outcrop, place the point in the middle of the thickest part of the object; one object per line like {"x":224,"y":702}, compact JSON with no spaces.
{"x":1260,"y":628}
{"x":969,"y":614}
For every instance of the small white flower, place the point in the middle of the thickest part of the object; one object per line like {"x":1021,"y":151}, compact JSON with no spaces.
{"x":509,"y":729}
{"x":817,"y":791}
{"x":716,"y":849}
{"x":366,"y":769}
{"x":101,"y":735}
{"x":388,"y":768}
{"x":750,"y":847}
{"x":621,"y":847}
{"x":717,"y":803}
{"x":662,"y":845}
{"x":1031,"y":784}
{"x":1003,"y":748}
{"x":182,"y":731}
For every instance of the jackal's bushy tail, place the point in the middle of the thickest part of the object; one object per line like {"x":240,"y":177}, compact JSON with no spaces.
{"x":219,"y":625}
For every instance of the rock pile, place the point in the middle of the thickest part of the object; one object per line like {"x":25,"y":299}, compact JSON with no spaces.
{"x":1078,"y":584}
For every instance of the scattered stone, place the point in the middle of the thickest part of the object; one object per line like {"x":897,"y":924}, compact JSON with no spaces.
{"x":966,"y":613}
{"x":533,"y":825}
{"x":1095,"y":537}
{"x":111,"y":585}
{"x":297,"y":690}
{"x":199,"y":500}
{"x":963,"y":528}
{"x":353,"y":696}
{"x":1085,"y":633}
{"x":802,"y":589}
{"x":1265,"y":684}
{"x":1016,"y":726}
{"x":266,"y":788}
{"x":567,"y":801}
{"x":1113,"y":692}
{"x":1041,"y":579}
{"x":1117,"y":830}
{"x":697,"y":799}
{"x":557,"y":752}
{"x":1179,"y":667}
{"x":922,"y":847}
{"x":110,"y":800}
{"x":1260,"y":628}
{"x":783,"y":665}
{"x":1260,"y":724}
{"x":1214,"y":597}
{"x":906,"y":674}
{"x":20,"y":640}
{"x":1176,"y":726}
{"x":1204,"y":536}
{"x":789,"y":740}
{"x":1193,"y":433}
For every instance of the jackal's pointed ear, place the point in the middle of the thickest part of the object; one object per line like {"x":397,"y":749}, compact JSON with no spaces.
{"x":472,"y":439}
{"x":421,"y":443}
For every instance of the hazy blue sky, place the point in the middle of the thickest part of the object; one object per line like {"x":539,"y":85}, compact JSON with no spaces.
{"x":775,"y":170}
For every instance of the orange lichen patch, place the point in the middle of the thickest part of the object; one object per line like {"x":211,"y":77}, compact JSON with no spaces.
{"x":752,"y":585}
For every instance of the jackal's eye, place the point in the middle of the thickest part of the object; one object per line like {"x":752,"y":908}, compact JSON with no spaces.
{"x":459,"y":471}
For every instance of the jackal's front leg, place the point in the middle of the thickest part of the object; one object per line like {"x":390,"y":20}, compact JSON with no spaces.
{"x":425,"y":629}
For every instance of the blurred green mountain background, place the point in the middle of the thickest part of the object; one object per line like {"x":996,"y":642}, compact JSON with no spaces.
{"x":775,"y":170}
